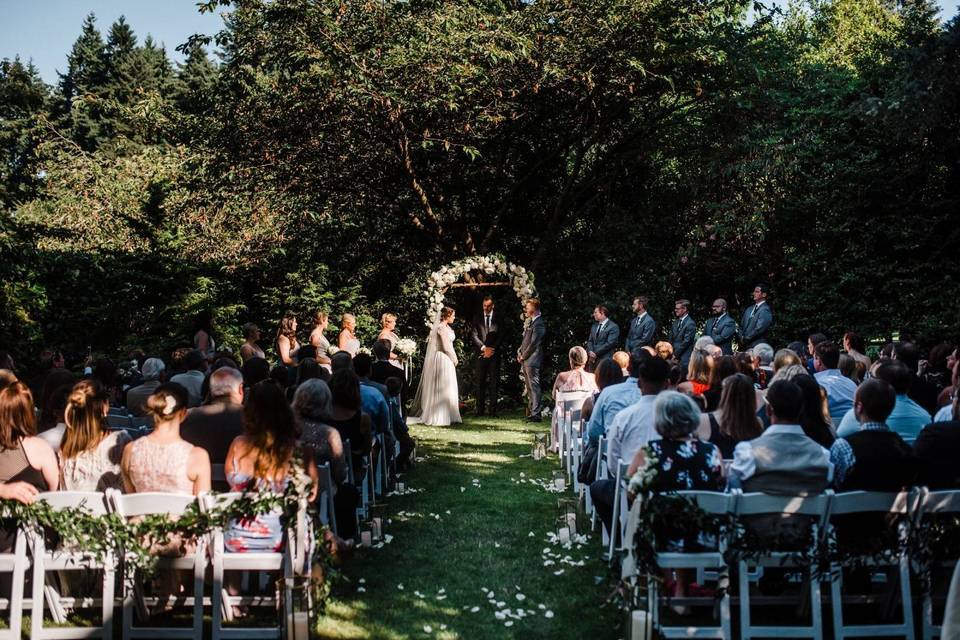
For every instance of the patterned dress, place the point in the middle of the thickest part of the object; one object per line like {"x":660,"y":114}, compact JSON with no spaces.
{"x":262,"y":533}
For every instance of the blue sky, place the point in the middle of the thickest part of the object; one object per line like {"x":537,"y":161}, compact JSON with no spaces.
{"x":44,"y":30}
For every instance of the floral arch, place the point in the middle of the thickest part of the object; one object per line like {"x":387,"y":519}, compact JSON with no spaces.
{"x":448,"y":276}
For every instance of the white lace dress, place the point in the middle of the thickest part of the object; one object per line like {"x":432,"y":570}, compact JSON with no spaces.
{"x":97,"y":469}
{"x":438,"y":398}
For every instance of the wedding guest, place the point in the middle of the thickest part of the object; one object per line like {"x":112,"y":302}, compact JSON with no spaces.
{"x":90,"y":455}
{"x":213,"y":426}
{"x":937,"y":450}
{"x":53,"y":401}
{"x":799,"y":348}
{"x":848,"y":367}
{"x":255,"y":370}
{"x":700,"y":367}
{"x":785,"y":358}
{"x":281,"y":374}
{"x":815,"y":419}
{"x":262,"y":459}
{"x":921,"y":391}
{"x":373,"y":396}
{"x":643,"y":327}
{"x":250,"y":348}
{"x":486,"y":336}
{"x":152,"y":374}
{"x":907,"y":417}
{"x":723,"y":368}
{"x":664,"y":350}
{"x":757,"y":319}
{"x":348,"y":340}
{"x":840,"y":389}
{"x":530,"y":356}
{"x":400,"y":429}
{"x":312,"y":404}
{"x":50,"y":359}
{"x":763,"y":361}
{"x":614,"y":399}
{"x":854,"y":345}
{"x":606,"y":375}
{"x":948,"y":396}
{"x":721,"y":327}
{"x":287,"y":344}
{"x":683,"y":332}
{"x":192,"y":379}
{"x":812,"y":342}
{"x":574,"y":379}
{"x":347,"y":417}
{"x":162,"y":460}
{"x":203,"y":334}
{"x":388,"y":326}
{"x":105,"y":372}
{"x":938,"y":368}
{"x":622,"y":358}
{"x":603,"y":339}
{"x":735,"y":420}
{"x":319,"y":341}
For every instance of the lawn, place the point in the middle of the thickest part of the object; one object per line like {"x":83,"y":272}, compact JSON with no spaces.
{"x":478,"y":521}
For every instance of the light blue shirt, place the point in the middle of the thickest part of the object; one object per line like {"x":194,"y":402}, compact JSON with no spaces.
{"x":373,"y":403}
{"x":631,"y":430}
{"x":945,"y":414}
{"x":610,"y":402}
{"x":907,"y":419}
{"x":840,"y":392}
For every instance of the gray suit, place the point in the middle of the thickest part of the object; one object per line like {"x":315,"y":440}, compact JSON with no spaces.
{"x":531,"y":356}
{"x":683,"y":333}
{"x":641,"y":334}
{"x":722,"y":328}
{"x":603,"y":342}
{"x":755,"y":324}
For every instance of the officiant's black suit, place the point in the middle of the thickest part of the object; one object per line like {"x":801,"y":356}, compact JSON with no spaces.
{"x":486,"y":333}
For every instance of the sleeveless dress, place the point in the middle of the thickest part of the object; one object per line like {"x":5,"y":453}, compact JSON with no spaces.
{"x":97,"y":469}
{"x":393,"y":339}
{"x":349,"y":431}
{"x":352,"y":347}
{"x":262,"y":533}
{"x":160,"y":467}
{"x":722,"y":441}
{"x":15,"y":467}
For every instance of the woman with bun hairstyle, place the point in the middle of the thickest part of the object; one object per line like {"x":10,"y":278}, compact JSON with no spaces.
{"x":90,"y":454}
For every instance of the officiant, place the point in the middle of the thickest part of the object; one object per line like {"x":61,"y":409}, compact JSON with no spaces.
{"x":486,"y":335}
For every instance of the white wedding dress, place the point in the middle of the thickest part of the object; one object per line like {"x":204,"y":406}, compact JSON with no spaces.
{"x":438,"y":399}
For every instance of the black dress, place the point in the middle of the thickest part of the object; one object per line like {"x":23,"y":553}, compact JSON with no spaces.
{"x":725,"y":443}
{"x":350,"y":431}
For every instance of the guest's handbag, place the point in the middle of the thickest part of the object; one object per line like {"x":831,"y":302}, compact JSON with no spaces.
{"x":587,"y":470}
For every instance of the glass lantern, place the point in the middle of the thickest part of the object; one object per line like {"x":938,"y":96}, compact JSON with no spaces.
{"x":566,"y":519}
{"x":539,"y":450}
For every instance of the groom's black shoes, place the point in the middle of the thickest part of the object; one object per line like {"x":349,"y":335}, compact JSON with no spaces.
{"x":536,"y":418}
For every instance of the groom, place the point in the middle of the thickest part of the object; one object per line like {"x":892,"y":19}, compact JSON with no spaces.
{"x":486,"y":336}
{"x":530,"y":357}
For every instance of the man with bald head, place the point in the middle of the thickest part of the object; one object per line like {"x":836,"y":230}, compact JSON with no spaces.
{"x":213,"y":426}
{"x":721,"y":327}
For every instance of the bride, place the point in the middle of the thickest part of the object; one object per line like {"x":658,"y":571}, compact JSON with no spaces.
{"x":438,"y":399}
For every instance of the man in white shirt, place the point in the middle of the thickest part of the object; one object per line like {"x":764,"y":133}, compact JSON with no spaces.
{"x":192,"y":378}
{"x":630,"y":431}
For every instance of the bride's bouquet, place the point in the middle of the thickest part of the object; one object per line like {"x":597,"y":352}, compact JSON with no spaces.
{"x":405,"y":348}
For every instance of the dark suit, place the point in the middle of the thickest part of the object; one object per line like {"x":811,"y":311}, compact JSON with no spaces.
{"x":488,"y":369}
{"x":683,"y":333}
{"x":641,"y":333}
{"x":755,"y":324}
{"x":381,"y":370}
{"x":531,"y":360}
{"x":722,"y":329}
{"x":603,"y":340}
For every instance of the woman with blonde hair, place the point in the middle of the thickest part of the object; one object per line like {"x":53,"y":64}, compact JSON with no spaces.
{"x":575,"y":379}
{"x":348,"y":340}
{"x":664,"y":350}
{"x":388,"y":324}
{"x":700,"y":369}
{"x":90,"y":453}
{"x":785,"y":358}
{"x":319,"y":341}
{"x":622,"y":358}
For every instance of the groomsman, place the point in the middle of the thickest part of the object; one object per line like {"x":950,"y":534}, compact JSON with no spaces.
{"x":486,"y":336}
{"x":604,"y":336}
{"x":683,"y":332}
{"x":530,"y":357}
{"x":757,"y":319}
{"x":642,"y":327}
{"x":721,"y":327}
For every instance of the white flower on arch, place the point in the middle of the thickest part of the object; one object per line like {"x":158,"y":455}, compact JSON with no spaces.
{"x":521,"y":280}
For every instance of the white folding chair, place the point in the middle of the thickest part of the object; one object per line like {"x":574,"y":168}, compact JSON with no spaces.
{"x":325,"y":497}
{"x":15,"y":564}
{"x":134,"y":505}
{"x":576,"y":448}
{"x":933,"y":504}
{"x":816,"y":508}
{"x":67,"y":560}
{"x":601,"y":475}
{"x":293,"y":559}
{"x":866,"y":502}
{"x":620,"y":511}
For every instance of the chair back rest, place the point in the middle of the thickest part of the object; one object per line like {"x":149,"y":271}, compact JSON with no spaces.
{"x":218,"y":473}
{"x":94,"y":502}
{"x":348,"y":458}
{"x":936,"y":502}
{"x":622,"y":469}
{"x":131,"y":505}
{"x":850,"y":502}
{"x":573,"y":400}
{"x":143,"y":423}
{"x":751,"y":504}
{"x":324,"y":478}
{"x":116,"y":422}
{"x":711,"y":502}
{"x":118,"y":411}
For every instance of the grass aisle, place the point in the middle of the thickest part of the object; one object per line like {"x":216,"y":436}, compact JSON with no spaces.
{"x":473,"y":478}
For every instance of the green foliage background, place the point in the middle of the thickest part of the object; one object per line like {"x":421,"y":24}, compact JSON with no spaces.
{"x":344,"y":150}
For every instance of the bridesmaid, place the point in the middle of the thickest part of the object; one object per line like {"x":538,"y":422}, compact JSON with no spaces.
{"x":348,"y":340}
{"x":287,"y":344}
{"x":388,"y":322}
{"x":318,"y":340}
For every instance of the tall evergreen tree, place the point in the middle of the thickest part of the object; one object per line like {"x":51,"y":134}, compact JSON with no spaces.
{"x":195,"y":79}
{"x":85,"y":79}
{"x":23,"y":98}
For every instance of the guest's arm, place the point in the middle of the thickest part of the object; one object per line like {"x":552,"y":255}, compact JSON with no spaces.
{"x":20,"y":491}
{"x":283,"y":345}
{"x":743,"y":467}
{"x":39,"y":451}
{"x":338,"y":464}
{"x":198,"y":470}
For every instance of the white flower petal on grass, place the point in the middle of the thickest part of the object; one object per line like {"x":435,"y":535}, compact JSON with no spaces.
{"x":521,"y":597}
{"x":508,"y":623}
{"x":361,"y":589}
{"x":427,"y":628}
{"x":474,"y":609}
{"x":548,"y":614}
{"x":400,"y":587}
{"x":530,"y":535}
{"x":443,"y":627}
{"x":558,"y":573}
{"x":541,"y":606}
{"x":362,"y":581}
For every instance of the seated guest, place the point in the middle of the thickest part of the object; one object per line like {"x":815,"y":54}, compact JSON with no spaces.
{"x":854,"y":345}
{"x":937,"y":450}
{"x":613,"y":399}
{"x":700,"y":367}
{"x":664,"y":350}
{"x":812,"y":342}
{"x":873,"y":458}
{"x":735,"y":420}
{"x":577,"y":378}
{"x":816,"y":415}
{"x":920,"y":391}
{"x":383,"y":367}
{"x":262,"y":460}
{"x":282,"y":375}
{"x":191,"y":379}
{"x":152,"y":374}
{"x":604,"y":376}
{"x":840,"y":389}
{"x":939,"y":366}
{"x":50,"y":360}
{"x":792,"y":372}
{"x":622,"y":358}
{"x":799,"y":348}
{"x":307,"y":369}
{"x":763,"y":356}
{"x":723,"y":368}
{"x":250,"y":348}
{"x":52,"y":426}
{"x":907,"y":417}
{"x":631,"y":430}
{"x":848,"y":367}
{"x":347,"y":417}
{"x":90,"y":455}
{"x":785,"y":358}
{"x":105,"y":372}
{"x":213,"y":426}
{"x":255,"y":370}
{"x":162,"y":460}
{"x":373,"y":395}
{"x":24,"y":458}
{"x":400,"y":429}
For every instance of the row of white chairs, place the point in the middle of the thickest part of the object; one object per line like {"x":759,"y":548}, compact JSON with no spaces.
{"x":209,"y":552}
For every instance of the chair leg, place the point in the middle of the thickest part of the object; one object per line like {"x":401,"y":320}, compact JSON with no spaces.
{"x":725,"y":624}
{"x":36,"y":614}
{"x":109,"y":578}
{"x":199,"y":568}
{"x":905,"y":596}
{"x":816,"y":612}
{"x":836,"y":601}
{"x":746,"y":631}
